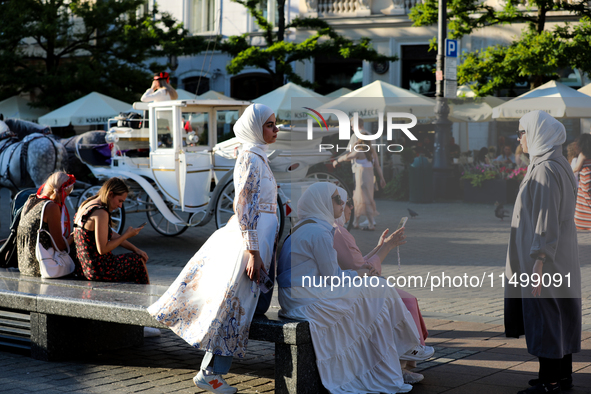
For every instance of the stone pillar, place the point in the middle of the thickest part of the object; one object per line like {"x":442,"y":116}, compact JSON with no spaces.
{"x":296,"y":371}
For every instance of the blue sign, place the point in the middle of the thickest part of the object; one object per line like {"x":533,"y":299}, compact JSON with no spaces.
{"x":451,"y":48}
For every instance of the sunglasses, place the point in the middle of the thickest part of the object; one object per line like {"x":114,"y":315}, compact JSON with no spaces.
{"x":337,"y":199}
{"x":350,"y":203}
{"x":520,"y":133}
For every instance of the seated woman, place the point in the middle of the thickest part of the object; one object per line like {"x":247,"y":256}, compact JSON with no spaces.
{"x":95,"y":240}
{"x":374,"y":316}
{"x":53,"y":192}
{"x":350,"y":257}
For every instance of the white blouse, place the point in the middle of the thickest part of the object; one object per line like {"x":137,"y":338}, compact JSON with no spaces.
{"x":155,"y":95}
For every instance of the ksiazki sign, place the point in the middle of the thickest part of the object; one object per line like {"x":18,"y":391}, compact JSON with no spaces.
{"x":345,"y":127}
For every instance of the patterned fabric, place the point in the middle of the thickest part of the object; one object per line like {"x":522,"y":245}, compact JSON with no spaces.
{"x":247,"y":204}
{"x":211,"y":303}
{"x":26,"y":239}
{"x":583,"y":208}
{"x":107,"y":267}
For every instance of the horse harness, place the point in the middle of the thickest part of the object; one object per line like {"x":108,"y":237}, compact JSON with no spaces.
{"x":23,"y":157}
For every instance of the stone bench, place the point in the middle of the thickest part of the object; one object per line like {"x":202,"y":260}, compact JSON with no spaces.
{"x":59,"y":318}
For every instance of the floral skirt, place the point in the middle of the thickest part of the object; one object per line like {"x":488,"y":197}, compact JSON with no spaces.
{"x":212,"y":301}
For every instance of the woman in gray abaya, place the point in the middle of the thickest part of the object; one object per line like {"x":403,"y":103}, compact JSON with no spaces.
{"x":543,"y":245}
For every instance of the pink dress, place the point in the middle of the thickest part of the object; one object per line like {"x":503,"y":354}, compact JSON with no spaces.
{"x":350,"y":258}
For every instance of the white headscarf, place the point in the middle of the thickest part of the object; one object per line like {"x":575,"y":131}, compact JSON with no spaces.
{"x":542,"y":132}
{"x":341,"y":219}
{"x":249,"y":127}
{"x":316,"y":202}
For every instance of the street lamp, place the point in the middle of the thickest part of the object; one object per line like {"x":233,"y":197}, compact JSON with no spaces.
{"x":442,"y":185}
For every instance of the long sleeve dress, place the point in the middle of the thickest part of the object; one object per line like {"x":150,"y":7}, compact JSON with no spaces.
{"x":358,"y":333}
{"x":543,"y":222}
{"x":211,"y":303}
{"x":351,"y":258}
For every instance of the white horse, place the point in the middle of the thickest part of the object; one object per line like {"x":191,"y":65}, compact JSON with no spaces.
{"x":29,"y":162}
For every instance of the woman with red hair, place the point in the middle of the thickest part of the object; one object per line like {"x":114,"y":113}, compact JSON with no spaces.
{"x":44,"y":209}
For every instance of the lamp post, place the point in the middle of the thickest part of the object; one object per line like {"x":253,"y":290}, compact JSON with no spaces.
{"x":442,"y":184}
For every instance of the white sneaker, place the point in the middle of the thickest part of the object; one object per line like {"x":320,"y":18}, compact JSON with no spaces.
{"x":418,"y":353}
{"x":411,"y":377}
{"x":405,"y":388}
{"x":213,"y":383}
{"x":151,"y":332}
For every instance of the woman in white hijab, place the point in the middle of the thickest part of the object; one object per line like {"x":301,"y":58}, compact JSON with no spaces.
{"x":543,"y":248}
{"x":359,"y":331}
{"x":211,"y":303}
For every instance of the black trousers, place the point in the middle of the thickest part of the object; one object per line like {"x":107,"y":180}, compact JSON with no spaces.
{"x":554,"y":369}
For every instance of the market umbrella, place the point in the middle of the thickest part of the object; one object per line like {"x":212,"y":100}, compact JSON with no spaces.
{"x":213,"y":95}
{"x":474,"y":109}
{"x":553,"y":97}
{"x":380,"y":96}
{"x":280,"y":100}
{"x":185,"y":95}
{"x":94,"y":108}
{"x":18,"y":107}
{"x":339,"y":92}
{"x":586,"y":89}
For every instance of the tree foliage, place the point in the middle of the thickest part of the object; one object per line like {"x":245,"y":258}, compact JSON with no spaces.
{"x":533,"y":57}
{"x":278,"y":55}
{"x":60,"y":50}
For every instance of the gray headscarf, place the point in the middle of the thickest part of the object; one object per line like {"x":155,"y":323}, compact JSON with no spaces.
{"x":249,"y":127}
{"x":542,"y":132}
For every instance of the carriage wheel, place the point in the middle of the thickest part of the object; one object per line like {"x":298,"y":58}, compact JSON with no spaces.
{"x":117,"y":216}
{"x":224,"y":207}
{"x":163,"y":226}
{"x":328,"y":177}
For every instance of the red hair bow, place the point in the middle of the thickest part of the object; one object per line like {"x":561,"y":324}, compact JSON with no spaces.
{"x":163,"y":75}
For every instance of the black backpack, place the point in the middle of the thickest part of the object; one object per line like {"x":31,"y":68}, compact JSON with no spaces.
{"x":130,"y":119}
{"x":8,"y":250}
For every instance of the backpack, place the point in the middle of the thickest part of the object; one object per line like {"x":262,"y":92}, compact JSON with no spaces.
{"x":8,"y":250}
{"x":129,"y":119}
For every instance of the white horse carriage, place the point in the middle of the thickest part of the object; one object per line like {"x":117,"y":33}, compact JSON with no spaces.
{"x":178,"y":161}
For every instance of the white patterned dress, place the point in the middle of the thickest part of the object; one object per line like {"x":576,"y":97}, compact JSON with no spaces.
{"x":211,"y":303}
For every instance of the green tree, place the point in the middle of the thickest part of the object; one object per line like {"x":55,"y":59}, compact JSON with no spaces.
{"x":60,"y":50}
{"x":533,"y":57}
{"x":278,"y":55}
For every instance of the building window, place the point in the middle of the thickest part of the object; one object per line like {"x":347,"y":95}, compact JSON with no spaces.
{"x":331,"y":74}
{"x":270,"y":12}
{"x":418,"y":65}
{"x":250,"y":86}
{"x":195,"y":85}
{"x":201,"y":16}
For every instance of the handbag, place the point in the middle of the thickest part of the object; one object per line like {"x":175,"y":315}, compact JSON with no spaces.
{"x":53,"y":263}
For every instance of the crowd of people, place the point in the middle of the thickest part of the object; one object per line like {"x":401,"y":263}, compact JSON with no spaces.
{"x":366,"y":338}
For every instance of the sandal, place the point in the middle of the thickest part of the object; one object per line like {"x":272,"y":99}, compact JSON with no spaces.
{"x":368,"y":229}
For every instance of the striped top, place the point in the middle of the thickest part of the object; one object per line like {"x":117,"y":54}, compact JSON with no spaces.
{"x":583,"y":208}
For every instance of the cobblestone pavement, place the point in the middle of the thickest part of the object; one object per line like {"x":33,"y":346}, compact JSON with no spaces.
{"x":465,"y":323}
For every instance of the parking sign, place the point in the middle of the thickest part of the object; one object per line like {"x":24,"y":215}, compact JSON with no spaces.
{"x":451,"y":48}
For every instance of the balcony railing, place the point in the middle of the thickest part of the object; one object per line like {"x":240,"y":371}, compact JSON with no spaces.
{"x":358,"y":7}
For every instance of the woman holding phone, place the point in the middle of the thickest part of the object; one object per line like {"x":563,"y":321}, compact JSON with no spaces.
{"x":95,"y":240}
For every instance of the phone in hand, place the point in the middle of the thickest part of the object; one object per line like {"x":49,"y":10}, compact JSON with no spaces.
{"x":402,"y":223}
{"x":143,"y":224}
{"x":265,"y":283}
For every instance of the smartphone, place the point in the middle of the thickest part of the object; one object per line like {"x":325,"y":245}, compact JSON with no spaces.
{"x":143,"y":224}
{"x":402,"y":223}
{"x":265,"y":283}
